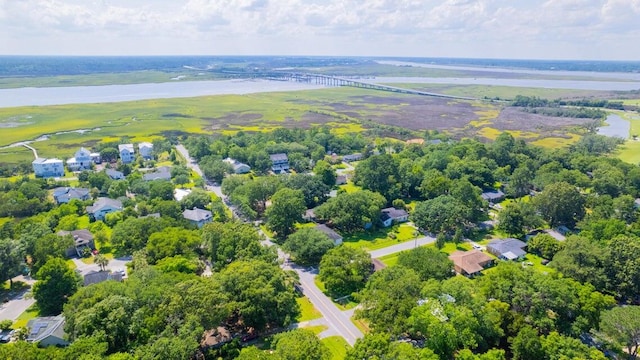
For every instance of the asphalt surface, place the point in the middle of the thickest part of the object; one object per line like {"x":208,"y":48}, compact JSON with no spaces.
{"x":425,"y":240}
{"x":19,"y":303}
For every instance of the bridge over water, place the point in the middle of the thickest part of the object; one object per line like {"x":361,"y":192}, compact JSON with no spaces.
{"x":330,"y":80}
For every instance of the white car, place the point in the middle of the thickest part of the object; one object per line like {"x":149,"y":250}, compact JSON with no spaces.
{"x":476,"y":246}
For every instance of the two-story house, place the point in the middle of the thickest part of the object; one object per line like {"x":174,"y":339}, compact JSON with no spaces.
{"x":81,"y":161}
{"x":279,"y":163}
{"x":48,"y":167}
{"x":127,"y":155}
{"x":146,"y":150}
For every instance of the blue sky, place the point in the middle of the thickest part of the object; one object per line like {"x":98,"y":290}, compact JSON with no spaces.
{"x":554,"y":29}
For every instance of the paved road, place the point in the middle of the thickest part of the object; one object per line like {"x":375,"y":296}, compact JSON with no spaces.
{"x":20,"y":302}
{"x":339,"y":321}
{"x":402,"y":247}
{"x":114,"y":264}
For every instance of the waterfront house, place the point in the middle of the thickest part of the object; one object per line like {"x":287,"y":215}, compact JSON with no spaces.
{"x":81,"y":160}
{"x":44,"y":167}
{"x":146,"y":150}
{"x":127,"y":155}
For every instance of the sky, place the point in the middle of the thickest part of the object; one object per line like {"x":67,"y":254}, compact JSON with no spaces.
{"x":518,"y":29}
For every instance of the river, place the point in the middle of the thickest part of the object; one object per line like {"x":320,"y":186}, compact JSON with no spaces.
{"x":177,"y":89}
{"x":119,"y":93}
{"x":616,"y":127}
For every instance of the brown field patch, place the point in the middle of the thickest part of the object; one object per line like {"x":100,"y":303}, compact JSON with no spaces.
{"x":515,"y":119}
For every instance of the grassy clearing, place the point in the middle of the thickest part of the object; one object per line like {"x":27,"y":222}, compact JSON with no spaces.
{"x":71,"y":264}
{"x":380,"y":238}
{"x":556,"y":142}
{"x":307,"y":310}
{"x":390,"y":260}
{"x":350,"y":187}
{"x":630,"y":151}
{"x":317,"y":329}
{"x":22,"y":320}
{"x":498,"y":92}
{"x":361,"y":324}
{"x":337,"y":345}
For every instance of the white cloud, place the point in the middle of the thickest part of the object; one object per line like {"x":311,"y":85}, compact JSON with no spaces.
{"x":474,"y":28}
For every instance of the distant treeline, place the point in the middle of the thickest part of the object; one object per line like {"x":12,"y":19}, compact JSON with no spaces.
{"x":534,"y":101}
{"x":587,"y":113}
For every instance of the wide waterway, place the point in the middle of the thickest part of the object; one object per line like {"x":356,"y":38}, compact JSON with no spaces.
{"x":119,"y":93}
{"x":616,"y":127}
{"x":177,"y":89}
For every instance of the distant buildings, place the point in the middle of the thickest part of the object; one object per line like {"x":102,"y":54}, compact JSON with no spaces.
{"x":102,"y":207}
{"x":198,"y":217}
{"x":63,"y":195}
{"x":493,"y":196}
{"x":48,"y":167}
{"x":146,"y":150}
{"x":279,"y":163}
{"x":352,"y":157}
{"x":47,"y":331}
{"x":81,"y":161}
{"x":127,"y":154}
{"x":238,"y":167}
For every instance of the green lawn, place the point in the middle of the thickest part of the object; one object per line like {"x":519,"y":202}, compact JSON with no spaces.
{"x":362,"y":325}
{"x":350,"y":187}
{"x":378,"y":239}
{"x":390,"y":260}
{"x":317,"y":329}
{"x":307,"y":310}
{"x":71,"y":264}
{"x":449,"y":247}
{"x":337,"y":345}
{"x":23,"y":319}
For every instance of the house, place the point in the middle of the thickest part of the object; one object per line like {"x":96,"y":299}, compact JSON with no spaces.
{"x":309,"y":215}
{"x":102,"y":207}
{"x":198,"y":217}
{"x":63,"y":195}
{"x":161,"y":173}
{"x":334,"y":236}
{"x":44,"y":167}
{"x":81,"y":239}
{"x":390,"y":216}
{"x":493,"y":196}
{"x":469,"y":263}
{"x":81,"y":160}
{"x":352,"y":157}
{"x":95,"y":277}
{"x":279,"y":163}
{"x":96,"y":158}
{"x":179,"y":194}
{"x":146,"y":150}
{"x":127,"y":154}
{"x":114,"y":174}
{"x":238,"y":167}
{"x":341,"y":179}
{"x":47,"y":331}
{"x":507,"y":249}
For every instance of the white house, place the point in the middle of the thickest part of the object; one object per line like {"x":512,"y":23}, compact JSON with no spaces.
{"x":391,"y":215}
{"x":127,"y":154}
{"x":146,"y":150}
{"x":198,"y":217}
{"x":48,"y":167}
{"x":238,"y":167}
{"x":81,"y":161}
{"x":102,"y":207}
{"x":47,"y":331}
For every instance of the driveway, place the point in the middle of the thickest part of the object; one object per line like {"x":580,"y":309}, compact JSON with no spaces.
{"x":425,"y":240}
{"x":114,"y":265}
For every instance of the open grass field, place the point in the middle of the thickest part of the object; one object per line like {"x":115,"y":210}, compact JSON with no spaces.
{"x":337,"y":345}
{"x":630,"y":151}
{"x":307,"y":311}
{"x":345,"y":110}
{"x":380,"y":238}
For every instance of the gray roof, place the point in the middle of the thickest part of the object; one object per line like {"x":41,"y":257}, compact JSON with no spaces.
{"x":43,"y":327}
{"x":509,"y":248}
{"x":70,"y":193}
{"x":104,"y":202}
{"x":161,"y":173}
{"x":492,"y":195}
{"x":81,"y":237}
{"x":197,"y":214}
{"x":329,"y":232}
{"x":95,"y":277}
{"x":114,"y":173}
{"x":125,"y":146}
{"x":393,"y":213}
{"x":279,"y":157}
